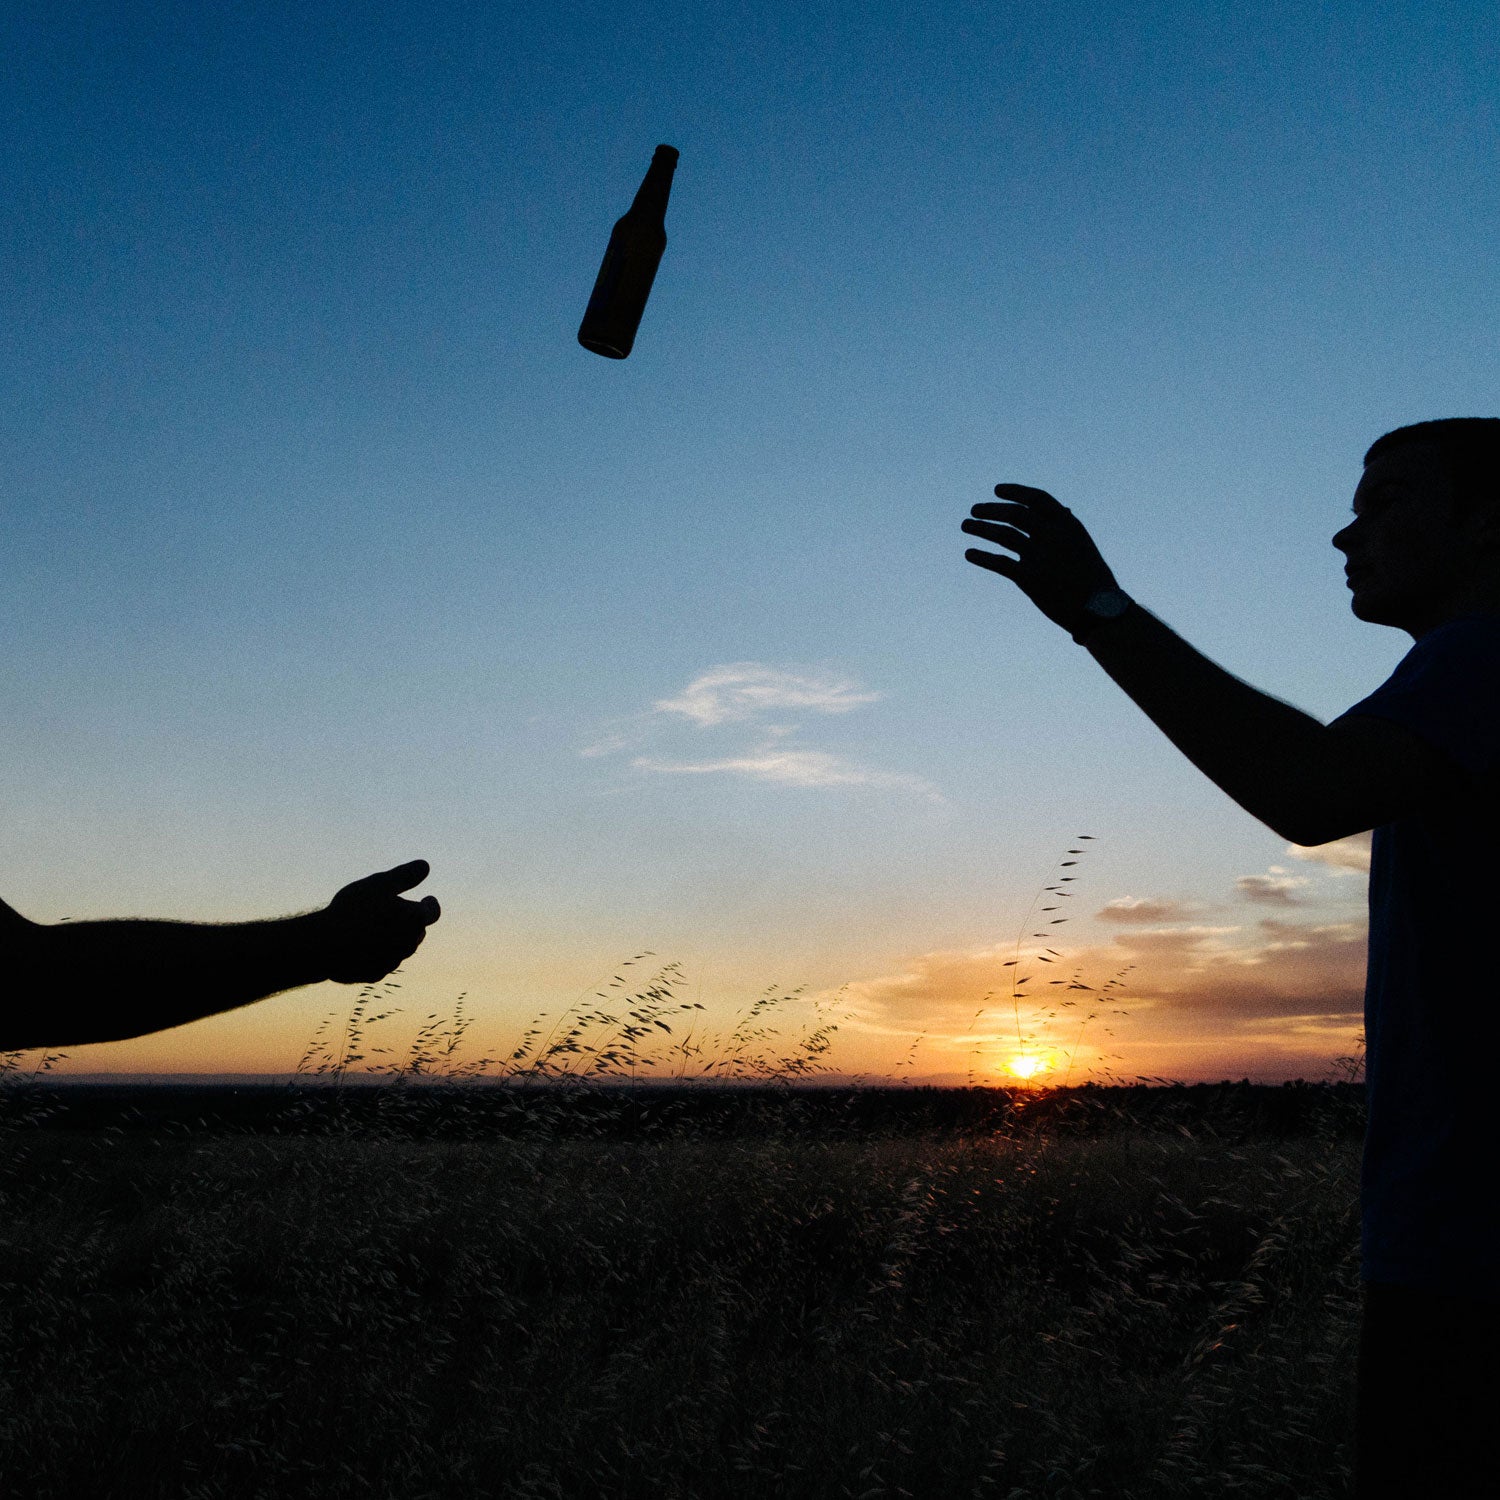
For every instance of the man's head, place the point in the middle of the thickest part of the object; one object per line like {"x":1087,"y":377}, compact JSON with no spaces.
{"x":1424,"y":545}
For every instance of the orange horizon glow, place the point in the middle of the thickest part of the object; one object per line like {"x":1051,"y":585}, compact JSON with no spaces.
{"x":1161,"y":1039}
{"x":1031,"y":1065}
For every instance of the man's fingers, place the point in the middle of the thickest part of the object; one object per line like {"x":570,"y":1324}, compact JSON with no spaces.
{"x":429,"y":909}
{"x":996,"y":562}
{"x":990,"y":510}
{"x":1002,"y":536}
{"x":1029,"y":496}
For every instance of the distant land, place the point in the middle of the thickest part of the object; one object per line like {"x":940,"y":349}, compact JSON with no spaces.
{"x":667,"y":1111}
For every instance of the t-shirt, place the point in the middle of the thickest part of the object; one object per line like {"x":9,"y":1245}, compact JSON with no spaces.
{"x":1430,"y":1182}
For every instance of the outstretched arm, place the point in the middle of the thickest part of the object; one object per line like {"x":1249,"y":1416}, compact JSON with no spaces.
{"x":1307,"y":781}
{"x":81,"y":982}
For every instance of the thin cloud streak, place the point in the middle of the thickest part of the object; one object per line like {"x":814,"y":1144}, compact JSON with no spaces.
{"x":1274,"y":889}
{"x":1143,"y":909}
{"x":741,"y":691}
{"x":804,"y":768}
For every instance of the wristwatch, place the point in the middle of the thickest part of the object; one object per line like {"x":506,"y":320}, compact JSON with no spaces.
{"x":1103,"y":605}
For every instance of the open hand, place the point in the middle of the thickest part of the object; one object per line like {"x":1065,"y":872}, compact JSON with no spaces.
{"x":370,"y":928}
{"x":1057,"y":566}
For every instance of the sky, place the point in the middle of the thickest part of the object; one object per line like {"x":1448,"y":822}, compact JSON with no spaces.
{"x":328,"y":547}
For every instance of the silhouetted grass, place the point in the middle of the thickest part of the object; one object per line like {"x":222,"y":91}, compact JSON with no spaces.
{"x":1140,"y":1311}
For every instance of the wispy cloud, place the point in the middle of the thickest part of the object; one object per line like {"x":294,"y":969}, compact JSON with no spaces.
{"x":933,"y":991}
{"x":747,"y":690}
{"x":1182,"y":945}
{"x":611,"y":742}
{"x":1142,"y":909}
{"x":808,"y":768}
{"x":1275,"y":888}
{"x":758,"y":705}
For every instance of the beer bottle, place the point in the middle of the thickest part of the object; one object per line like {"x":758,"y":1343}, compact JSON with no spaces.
{"x":630,"y":262}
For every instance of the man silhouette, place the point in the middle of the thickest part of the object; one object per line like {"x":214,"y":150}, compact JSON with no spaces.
{"x":79,"y":982}
{"x":1418,"y":761}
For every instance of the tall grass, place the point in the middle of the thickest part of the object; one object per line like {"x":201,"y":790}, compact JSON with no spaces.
{"x":1131,"y":1312}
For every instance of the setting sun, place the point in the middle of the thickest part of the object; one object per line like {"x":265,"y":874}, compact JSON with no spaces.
{"x":1030,"y":1065}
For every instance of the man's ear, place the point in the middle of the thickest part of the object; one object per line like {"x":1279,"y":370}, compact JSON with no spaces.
{"x":1484,"y":528}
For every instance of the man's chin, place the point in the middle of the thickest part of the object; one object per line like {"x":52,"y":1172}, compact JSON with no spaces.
{"x":1375,"y":610}
{"x":1372,"y":609}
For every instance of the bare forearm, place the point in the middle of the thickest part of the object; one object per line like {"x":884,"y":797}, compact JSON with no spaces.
{"x":104,"y":981}
{"x":84,"y":982}
{"x":1265,"y":754}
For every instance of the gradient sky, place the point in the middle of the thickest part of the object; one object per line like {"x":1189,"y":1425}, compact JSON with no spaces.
{"x":326,"y":546}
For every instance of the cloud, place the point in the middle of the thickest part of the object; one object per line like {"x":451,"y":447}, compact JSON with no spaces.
{"x":723,"y":702}
{"x":1273,"y":889}
{"x":807,"y":768}
{"x":1179,"y":941}
{"x":1304,"y":935}
{"x":745,"y":690}
{"x":1282,"y":970}
{"x":948,"y":984}
{"x":1343,"y":856}
{"x":1178,"y":987}
{"x":1143,"y":909}
{"x":611,"y":744}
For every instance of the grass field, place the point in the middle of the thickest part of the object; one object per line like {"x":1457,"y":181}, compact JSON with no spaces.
{"x":1125,"y":1306}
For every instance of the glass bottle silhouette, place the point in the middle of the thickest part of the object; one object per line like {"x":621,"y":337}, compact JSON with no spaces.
{"x":630,"y":262}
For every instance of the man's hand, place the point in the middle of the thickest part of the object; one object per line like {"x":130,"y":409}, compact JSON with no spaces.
{"x":1057,"y":566}
{"x":369,"y":929}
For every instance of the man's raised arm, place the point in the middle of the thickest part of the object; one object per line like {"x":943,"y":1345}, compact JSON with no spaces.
{"x":1309,"y":782}
{"x":80,"y":982}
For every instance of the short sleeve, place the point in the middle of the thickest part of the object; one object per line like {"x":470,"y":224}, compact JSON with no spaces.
{"x":1446,"y":689}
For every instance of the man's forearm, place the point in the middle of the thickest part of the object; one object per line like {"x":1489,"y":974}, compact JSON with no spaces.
{"x":80,"y":982}
{"x":1268,"y":756}
{"x":86,"y":982}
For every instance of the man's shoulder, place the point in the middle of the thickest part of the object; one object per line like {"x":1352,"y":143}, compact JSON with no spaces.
{"x":1443,"y":692}
{"x":1469,"y":637}
{"x":1458,"y":656}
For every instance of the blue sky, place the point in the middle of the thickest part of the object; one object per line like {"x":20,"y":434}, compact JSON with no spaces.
{"x":328,"y":546}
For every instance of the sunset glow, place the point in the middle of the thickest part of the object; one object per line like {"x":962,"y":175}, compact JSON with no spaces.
{"x":1030,"y":1065}
{"x":329,"y":548}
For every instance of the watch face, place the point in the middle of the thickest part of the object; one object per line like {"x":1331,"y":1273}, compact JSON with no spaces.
{"x":1108,"y":604}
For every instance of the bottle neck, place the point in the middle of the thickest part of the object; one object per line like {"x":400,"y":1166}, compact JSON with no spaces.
{"x":651,"y":196}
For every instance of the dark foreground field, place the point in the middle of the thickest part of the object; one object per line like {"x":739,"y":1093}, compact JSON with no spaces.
{"x":1120,"y":1293}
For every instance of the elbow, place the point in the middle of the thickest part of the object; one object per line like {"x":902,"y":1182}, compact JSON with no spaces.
{"x":1303,"y":832}
{"x":1315,"y":831}
{"x":1309,"y":827}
